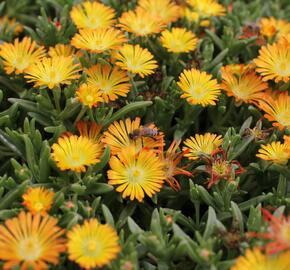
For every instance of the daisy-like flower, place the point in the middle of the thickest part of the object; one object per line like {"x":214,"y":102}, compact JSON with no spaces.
{"x":73,"y":152}
{"x":276,"y":152}
{"x":271,"y":26}
{"x":255,"y":259}
{"x":273,"y":62}
{"x":38,"y":200}
{"x":99,"y":40}
{"x":10,"y":25}
{"x":165,"y":11}
{"x":61,"y":50}
{"x":140,"y":23}
{"x":207,"y":8}
{"x":92,"y":15}
{"x":171,"y":159}
{"x":89,"y":95}
{"x":53,"y":71}
{"x":92,"y":244}
{"x":111,"y":81}
{"x":20,"y":55}
{"x":136,"y":173}
{"x":244,"y":86}
{"x":30,"y":242}
{"x":278,"y":232}
{"x":90,"y":130}
{"x":119,"y":136}
{"x":277,"y":109}
{"x":200,"y":145}
{"x":199,"y":87}
{"x":178,"y":40}
{"x":136,"y":60}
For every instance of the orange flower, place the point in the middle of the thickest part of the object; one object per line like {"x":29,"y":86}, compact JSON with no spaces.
{"x":277,"y":109}
{"x":171,"y":158}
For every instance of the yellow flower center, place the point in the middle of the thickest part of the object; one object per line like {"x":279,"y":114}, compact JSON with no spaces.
{"x":283,"y":68}
{"x":283,"y":118}
{"x":220,"y":168}
{"x":135,"y":175}
{"x":92,"y":248}
{"x":29,"y":249}
{"x":197,"y":92}
{"x":38,"y":206}
{"x":54,"y":76}
{"x":89,"y":98}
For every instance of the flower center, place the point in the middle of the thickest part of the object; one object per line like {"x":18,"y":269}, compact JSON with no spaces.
{"x":92,"y":248}
{"x":29,"y":249}
{"x":220,"y":168}
{"x":135,"y":175}
{"x":284,"y":118}
{"x":38,"y":206}
{"x":283,"y":68}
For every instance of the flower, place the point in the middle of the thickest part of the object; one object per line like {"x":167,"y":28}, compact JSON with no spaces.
{"x":178,"y":40}
{"x":38,"y":200}
{"x":163,"y":10}
{"x":199,"y":87}
{"x":220,"y":168}
{"x":207,"y":8}
{"x":18,"y":56}
{"x":255,"y":259}
{"x":30,"y":241}
{"x":276,"y":152}
{"x":89,"y":95}
{"x":136,"y":173}
{"x":73,"y":152}
{"x":277,"y":109}
{"x":10,"y":25}
{"x":140,"y":22}
{"x":273,"y":62}
{"x":111,"y":81}
{"x":245,"y":86}
{"x":200,"y":145}
{"x":278,"y":232}
{"x":53,"y":71}
{"x":118,"y":136}
{"x":90,"y":130}
{"x":99,"y":40}
{"x":92,"y":15}
{"x":61,"y":50}
{"x":271,"y":26}
{"x":92,"y":244}
{"x":136,"y":60}
{"x":171,"y":158}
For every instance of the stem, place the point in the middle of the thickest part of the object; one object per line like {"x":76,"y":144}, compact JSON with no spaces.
{"x":134,"y":91}
{"x":56,"y":96}
{"x":81,"y":114}
{"x":197,"y":212}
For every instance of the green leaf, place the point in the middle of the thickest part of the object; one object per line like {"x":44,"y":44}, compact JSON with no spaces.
{"x":108,"y":215}
{"x":210,"y":224}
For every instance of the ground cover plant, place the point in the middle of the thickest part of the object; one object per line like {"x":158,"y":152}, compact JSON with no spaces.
{"x":144,"y":134}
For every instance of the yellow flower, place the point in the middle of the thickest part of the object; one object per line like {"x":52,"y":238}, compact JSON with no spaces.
{"x":275,"y":152}
{"x":30,"y":242}
{"x":10,"y":25}
{"x":111,"y":81}
{"x":178,"y":40}
{"x":140,"y":23}
{"x":277,"y":109}
{"x":163,"y":10}
{"x":256,"y":260}
{"x":136,"y":60}
{"x":38,"y":200}
{"x":73,"y":152}
{"x":53,"y":71}
{"x":199,"y":87}
{"x":273,"y":62}
{"x":136,"y":173}
{"x":207,"y":8}
{"x":61,"y":50}
{"x":90,"y":130}
{"x":92,"y":244}
{"x":99,"y":40}
{"x":89,"y":95}
{"x":118,"y":136}
{"x":245,"y":85}
{"x":200,"y":145}
{"x":20,"y":55}
{"x":92,"y":15}
{"x":271,"y":26}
